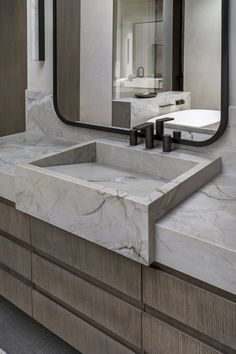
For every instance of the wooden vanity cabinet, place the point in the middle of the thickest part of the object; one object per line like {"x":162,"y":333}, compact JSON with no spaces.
{"x":159,"y":337}
{"x":101,"y":302}
{"x":13,"y":222}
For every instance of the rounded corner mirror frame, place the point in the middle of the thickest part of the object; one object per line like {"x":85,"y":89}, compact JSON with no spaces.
{"x":122,"y":131}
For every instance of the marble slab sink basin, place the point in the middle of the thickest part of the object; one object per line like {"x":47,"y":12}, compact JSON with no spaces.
{"x":110,"y":193}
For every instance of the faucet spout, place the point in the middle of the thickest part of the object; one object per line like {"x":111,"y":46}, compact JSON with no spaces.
{"x":160,"y":127}
{"x":148,"y":130}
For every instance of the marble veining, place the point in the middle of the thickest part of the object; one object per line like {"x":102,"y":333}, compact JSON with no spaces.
{"x":116,"y":212}
{"x":41,"y":119}
{"x":19,"y":148}
{"x":125,"y":181}
{"x":199,"y":237}
{"x":145,"y":109}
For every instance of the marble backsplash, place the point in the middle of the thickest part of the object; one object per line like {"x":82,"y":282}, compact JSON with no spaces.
{"x":41,"y":119}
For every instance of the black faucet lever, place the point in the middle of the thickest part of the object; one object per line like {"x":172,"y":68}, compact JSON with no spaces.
{"x":148,"y":129}
{"x":160,"y":126}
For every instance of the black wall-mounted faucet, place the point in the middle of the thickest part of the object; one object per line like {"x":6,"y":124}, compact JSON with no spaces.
{"x":148,"y":130}
{"x":179,"y":102}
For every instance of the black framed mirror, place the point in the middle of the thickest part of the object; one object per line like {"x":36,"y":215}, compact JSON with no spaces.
{"x":176,"y":50}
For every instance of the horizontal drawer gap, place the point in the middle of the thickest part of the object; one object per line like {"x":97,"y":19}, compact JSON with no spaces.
{"x":90,"y":321}
{"x":90,"y":280}
{"x":16,"y":275}
{"x":214,"y":344}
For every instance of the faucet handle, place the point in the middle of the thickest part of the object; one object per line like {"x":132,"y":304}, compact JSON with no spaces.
{"x":133,"y":137}
{"x":143,"y":126}
{"x":160,"y":126}
{"x":148,"y":129}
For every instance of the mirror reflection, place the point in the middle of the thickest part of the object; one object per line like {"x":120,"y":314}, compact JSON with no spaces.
{"x":167,"y":60}
{"x":151,"y":59}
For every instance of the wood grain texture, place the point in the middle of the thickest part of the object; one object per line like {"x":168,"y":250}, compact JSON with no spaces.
{"x":15,"y":257}
{"x":14,"y":222}
{"x":68,"y":58}
{"x":110,"y":268}
{"x":13,"y":66}
{"x":105,"y":309}
{"x":16,"y":292}
{"x":73,"y":330}
{"x":208,"y":313}
{"x":159,"y":338}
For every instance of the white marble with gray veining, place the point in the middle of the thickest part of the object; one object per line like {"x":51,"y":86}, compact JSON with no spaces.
{"x":199,"y":237}
{"x":19,"y":148}
{"x":110,"y":193}
{"x":41,"y":119}
{"x":145,"y":109}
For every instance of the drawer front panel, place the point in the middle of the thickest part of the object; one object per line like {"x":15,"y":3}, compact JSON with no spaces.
{"x":72,"y":329}
{"x":15,"y":257}
{"x":191,"y":305}
{"x":14,"y":222}
{"x":100,"y":306}
{"x":110,"y":268}
{"x":16,"y":292}
{"x":159,"y":338}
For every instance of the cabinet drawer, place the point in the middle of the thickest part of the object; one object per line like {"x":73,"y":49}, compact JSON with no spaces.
{"x":72,"y":329}
{"x":15,"y":257}
{"x":104,"y":308}
{"x":204,"y":311}
{"x":14,"y":222}
{"x":110,"y":268}
{"x":16,"y":292}
{"x":160,"y":338}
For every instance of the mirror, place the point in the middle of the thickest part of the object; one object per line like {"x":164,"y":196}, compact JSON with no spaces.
{"x":132,"y":61}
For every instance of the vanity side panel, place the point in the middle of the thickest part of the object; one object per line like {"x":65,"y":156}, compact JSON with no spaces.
{"x":16,"y":292}
{"x":103,"y":265}
{"x":72,"y":329}
{"x":96,"y":304}
{"x":160,"y":338}
{"x":195,"y":307}
{"x":14,"y":222}
{"x":15,"y":257}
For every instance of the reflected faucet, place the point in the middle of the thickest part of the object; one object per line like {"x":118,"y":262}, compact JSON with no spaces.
{"x":141,"y":71}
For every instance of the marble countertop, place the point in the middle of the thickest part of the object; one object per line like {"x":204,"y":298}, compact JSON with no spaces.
{"x":197,"y":238}
{"x":20,"y":148}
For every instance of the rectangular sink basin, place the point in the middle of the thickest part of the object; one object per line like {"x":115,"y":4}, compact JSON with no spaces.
{"x":109,"y":193}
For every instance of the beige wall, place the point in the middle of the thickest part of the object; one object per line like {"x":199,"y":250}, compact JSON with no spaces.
{"x":202,"y":76}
